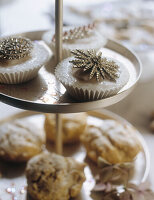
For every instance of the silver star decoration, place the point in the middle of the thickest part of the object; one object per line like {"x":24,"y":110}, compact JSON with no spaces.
{"x":97,"y":65}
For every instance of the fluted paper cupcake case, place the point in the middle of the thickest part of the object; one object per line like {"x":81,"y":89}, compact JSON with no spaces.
{"x":27,"y":70}
{"x":89,"y":95}
{"x":85,"y":91}
{"x":19,"y":77}
{"x":65,"y":52}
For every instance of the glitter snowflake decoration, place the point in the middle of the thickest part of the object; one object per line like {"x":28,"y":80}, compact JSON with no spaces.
{"x":76,"y":33}
{"x":15,"y":48}
{"x":97,"y":65}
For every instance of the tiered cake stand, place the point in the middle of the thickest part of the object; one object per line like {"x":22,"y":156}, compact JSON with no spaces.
{"x":45,"y":94}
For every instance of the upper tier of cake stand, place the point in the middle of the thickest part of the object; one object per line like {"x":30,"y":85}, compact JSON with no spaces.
{"x":46,"y":94}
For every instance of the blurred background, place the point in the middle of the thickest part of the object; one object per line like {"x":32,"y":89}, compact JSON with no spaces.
{"x":129,"y":21}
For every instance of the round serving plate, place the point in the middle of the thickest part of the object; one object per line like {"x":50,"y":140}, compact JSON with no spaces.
{"x":46,"y":94}
{"x":14,"y":180}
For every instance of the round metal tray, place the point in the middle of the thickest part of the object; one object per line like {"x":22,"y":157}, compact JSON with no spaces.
{"x":13,"y":177}
{"x":46,"y":94}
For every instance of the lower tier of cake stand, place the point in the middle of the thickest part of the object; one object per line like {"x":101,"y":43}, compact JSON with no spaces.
{"x":14,"y":179}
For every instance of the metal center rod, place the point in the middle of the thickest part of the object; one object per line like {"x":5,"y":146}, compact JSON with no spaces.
{"x":58,"y":29}
{"x":59,"y":138}
{"x":58,"y":57}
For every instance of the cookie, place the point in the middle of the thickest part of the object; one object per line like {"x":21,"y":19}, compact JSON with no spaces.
{"x":111,"y":140}
{"x":51,"y":176}
{"x":20,"y":140}
{"x":73,"y":125}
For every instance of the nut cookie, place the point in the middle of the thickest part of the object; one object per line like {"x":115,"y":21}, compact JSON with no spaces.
{"x":111,"y":140}
{"x":20,"y":140}
{"x":73,"y":125}
{"x":54,"y":177}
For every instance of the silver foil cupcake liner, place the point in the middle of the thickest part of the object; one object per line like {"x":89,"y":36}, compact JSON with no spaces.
{"x":90,"y":95}
{"x":18,"y":77}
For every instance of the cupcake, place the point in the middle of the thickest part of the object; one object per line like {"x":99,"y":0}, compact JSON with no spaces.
{"x":21,"y":59}
{"x":90,"y":76}
{"x":85,"y":37}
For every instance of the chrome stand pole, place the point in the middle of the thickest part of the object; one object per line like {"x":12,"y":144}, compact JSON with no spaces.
{"x":58,"y":57}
